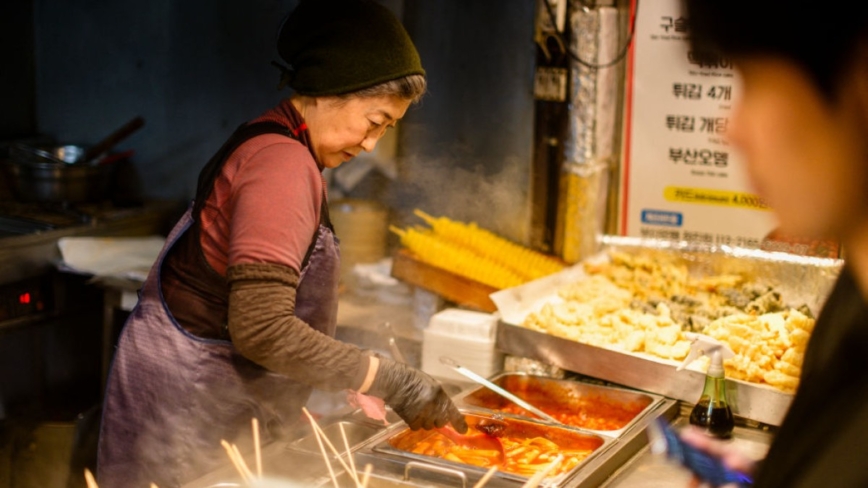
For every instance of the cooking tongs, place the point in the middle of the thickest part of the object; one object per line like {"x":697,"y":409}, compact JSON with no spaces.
{"x":497,"y":389}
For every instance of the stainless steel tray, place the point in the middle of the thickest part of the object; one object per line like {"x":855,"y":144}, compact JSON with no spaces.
{"x":516,"y":427}
{"x":749,"y":400}
{"x":356,"y":433}
{"x":802,"y":280}
{"x":561,"y":396}
{"x":592,"y":472}
{"x":299,"y":467}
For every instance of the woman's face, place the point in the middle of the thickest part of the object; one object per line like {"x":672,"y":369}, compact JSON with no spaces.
{"x":806,"y":155}
{"x":342,"y":128}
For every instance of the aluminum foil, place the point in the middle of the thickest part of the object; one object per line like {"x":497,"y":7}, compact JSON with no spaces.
{"x":590,"y":143}
{"x":593,"y":91}
{"x":800,"y":279}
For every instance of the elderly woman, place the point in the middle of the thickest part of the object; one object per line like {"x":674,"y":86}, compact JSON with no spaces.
{"x":237,"y":316}
{"x":802,"y":125}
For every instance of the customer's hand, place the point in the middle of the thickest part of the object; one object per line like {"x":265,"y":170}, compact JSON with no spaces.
{"x":416,"y":397}
{"x":731,"y":457}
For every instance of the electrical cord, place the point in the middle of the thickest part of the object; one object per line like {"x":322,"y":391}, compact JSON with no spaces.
{"x":621,"y":55}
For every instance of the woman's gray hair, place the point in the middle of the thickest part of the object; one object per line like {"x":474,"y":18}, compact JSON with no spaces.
{"x":410,"y":87}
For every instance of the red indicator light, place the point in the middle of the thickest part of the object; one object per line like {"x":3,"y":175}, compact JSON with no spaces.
{"x":24,"y":298}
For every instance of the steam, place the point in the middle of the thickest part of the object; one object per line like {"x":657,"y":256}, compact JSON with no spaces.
{"x":494,"y":198}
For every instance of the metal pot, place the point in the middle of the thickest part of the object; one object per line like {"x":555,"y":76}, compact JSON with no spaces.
{"x":35,"y":177}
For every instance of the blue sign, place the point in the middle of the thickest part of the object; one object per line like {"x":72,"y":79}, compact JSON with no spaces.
{"x":662,"y":217}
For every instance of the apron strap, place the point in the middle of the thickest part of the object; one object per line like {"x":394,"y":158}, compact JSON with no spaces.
{"x":212,"y":169}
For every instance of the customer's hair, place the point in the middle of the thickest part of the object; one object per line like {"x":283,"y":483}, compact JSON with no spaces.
{"x":821,"y":38}
{"x":410,"y":87}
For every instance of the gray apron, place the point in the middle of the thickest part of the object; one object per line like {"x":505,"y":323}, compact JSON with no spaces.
{"x":172,"y":397}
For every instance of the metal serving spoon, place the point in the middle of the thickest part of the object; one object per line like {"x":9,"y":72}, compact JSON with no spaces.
{"x":500,"y":391}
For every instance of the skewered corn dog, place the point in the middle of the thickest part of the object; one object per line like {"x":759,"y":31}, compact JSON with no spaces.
{"x":475,"y":253}
{"x":455,"y":259}
{"x":523,"y":261}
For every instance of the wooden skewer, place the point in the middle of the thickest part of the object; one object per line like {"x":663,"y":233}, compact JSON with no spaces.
{"x":366,"y":475}
{"x":257,"y":448}
{"x":88,"y":477}
{"x":353,"y":473}
{"x":241,"y":461}
{"x":325,"y":455}
{"x":535,"y":480}
{"x":482,"y":481}
{"x":231,"y":453}
{"x":325,"y":438}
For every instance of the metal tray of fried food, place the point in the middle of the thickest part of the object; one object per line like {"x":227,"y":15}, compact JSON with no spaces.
{"x":602,"y":409}
{"x":529,"y":446}
{"x":802,"y":282}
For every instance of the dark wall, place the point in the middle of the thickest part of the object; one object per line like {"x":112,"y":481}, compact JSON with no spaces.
{"x":195,"y":69}
{"x":17,"y":87}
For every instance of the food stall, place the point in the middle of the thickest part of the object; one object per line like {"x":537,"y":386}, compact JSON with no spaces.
{"x":629,"y":228}
{"x":609,"y":304}
{"x":612,"y":391}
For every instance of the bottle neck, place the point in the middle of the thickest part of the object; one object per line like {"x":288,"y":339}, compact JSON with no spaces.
{"x":715,"y":389}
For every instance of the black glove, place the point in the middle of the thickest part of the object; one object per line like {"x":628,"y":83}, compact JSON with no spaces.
{"x":416,"y":397}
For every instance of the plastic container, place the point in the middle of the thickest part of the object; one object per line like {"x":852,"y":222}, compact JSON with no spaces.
{"x":467,"y":337}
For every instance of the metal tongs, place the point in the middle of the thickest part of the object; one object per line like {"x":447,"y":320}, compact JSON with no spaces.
{"x":497,"y":389}
{"x":389,"y":334}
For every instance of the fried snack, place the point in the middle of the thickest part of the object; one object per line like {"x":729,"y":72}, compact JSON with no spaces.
{"x":643,"y":303}
{"x":523,"y":261}
{"x":768,"y":348}
{"x":456,"y":259}
{"x":623,"y":329}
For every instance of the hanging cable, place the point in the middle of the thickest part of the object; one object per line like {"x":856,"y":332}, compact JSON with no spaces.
{"x":621,"y":55}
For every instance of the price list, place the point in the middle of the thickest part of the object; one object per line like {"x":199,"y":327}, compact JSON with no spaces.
{"x":680,"y":178}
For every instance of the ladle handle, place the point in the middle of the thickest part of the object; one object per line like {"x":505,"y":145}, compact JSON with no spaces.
{"x":112,"y":140}
{"x":497,"y":389}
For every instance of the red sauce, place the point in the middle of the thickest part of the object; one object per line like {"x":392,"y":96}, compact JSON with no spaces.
{"x":589,"y":412}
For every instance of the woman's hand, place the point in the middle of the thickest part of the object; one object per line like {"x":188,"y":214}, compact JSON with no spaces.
{"x":731,"y":457}
{"x":416,"y":397}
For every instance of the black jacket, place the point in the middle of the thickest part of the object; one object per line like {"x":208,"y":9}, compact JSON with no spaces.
{"x":824,"y":438}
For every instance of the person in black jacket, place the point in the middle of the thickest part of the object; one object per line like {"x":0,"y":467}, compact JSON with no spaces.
{"x":802,"y":125}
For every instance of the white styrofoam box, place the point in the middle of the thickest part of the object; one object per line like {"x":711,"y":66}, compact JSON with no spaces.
{"x":479,"y":356}
{"x":464,"y":323}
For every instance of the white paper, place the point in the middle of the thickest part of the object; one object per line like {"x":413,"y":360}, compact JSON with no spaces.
{"x":516,"y":303}
{"x":681,"y":180}
{"x":125,"y":257}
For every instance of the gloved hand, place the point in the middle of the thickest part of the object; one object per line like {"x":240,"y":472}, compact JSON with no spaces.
{"x":416,"y":397}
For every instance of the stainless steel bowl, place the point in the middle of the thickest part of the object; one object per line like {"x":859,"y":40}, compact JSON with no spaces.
{"x":61,"y":154}
{"x":50,"y":175}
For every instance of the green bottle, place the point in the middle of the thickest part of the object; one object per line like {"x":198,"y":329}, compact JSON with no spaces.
{"x":712,"y":412}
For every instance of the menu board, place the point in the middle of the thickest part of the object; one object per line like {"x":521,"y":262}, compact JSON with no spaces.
{"x":680,"y":179}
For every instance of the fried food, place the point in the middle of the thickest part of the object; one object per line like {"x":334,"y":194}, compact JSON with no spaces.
{"x":644,"y":303}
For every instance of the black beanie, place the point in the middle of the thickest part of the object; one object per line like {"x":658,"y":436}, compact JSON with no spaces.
{"x":342,"y":46}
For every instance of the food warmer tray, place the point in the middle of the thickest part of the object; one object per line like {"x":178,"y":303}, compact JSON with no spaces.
{"x":560,"y":395}
{"x":300,"y":462}
{"x":591,"y":472}
{"x":800,"y":279}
